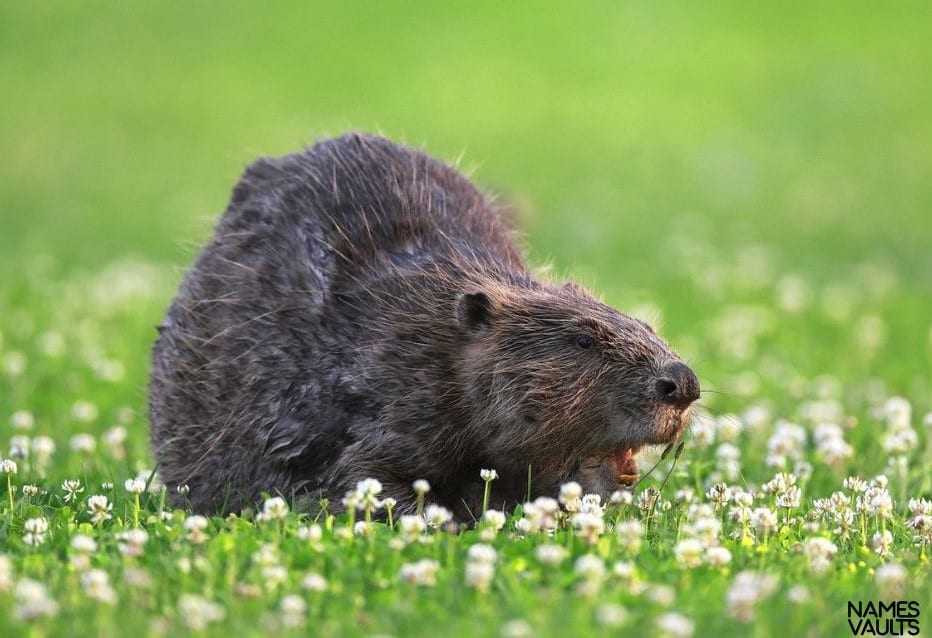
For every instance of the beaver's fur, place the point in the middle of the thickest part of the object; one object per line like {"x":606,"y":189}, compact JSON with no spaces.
{"x":363,"y":311}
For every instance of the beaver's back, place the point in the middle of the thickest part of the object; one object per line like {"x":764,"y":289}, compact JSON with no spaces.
{"x":250,"y":370}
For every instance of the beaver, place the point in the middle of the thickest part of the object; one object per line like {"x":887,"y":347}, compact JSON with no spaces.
{"x":363,"y":310}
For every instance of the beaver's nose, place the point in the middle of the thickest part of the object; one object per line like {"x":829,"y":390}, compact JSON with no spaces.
{"x":677,"y":385}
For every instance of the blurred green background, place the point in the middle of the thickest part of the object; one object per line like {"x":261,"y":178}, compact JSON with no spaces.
{"x":647,"y":146}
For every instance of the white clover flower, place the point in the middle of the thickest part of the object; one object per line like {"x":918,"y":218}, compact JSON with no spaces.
{"x":312,"y":533}
{"x":648,"y":499}
{"x":550,"y":555}
{"x":99,"y":507}
{"x":422,"y":573}
{"x":6,"y":573}
{"x":728,"y":427}
{"x":84,"y":411}
{"x":570,"y":495}
{"x":791,"y":498}
{"x":891,"y":580}
{"x":697,"y":511}
{"x":134,"y":486}
{"x":14,"y":363}
{"x":624,"y":570}
{"x":718,"y":494}
{"x":22,"y":420}
{"x":741,"y":497}
{"x":797,"y":594}
{"x":728,"y":460}
{"x":592,"y":504}
{"x":480,"y":553}
{"x":590,"y":567}
{"x":898,"y":413}
{"x":351,"y":500}
{"x":611,"y":615}
{"x":793,"y":294}
{"x":819,"y":551}
{"x":152,"y":479}
{"x":779,"y":484}
{"x":411,"y":526}
{"x":198,"y":612}
{"x":96,"y":586}
{"x":274,"y":575}
{"x":196,"y":526}
{"x":621,"y":497}
{"x":588,"y":527}
{"x":901,"y":441}
{"x":420,"y":487}
{"x":43,"y":447}
{"x":32,"y":600}
{"x":494,"y":519}
{"x":541,"y":514}
{"x":517,"y":629}
{"x":8,"y":467}
{"x":882,"y":542}
{"x":675,"y":625}
{"x":183,"y":490}
{"x":19,"y":446}
{"x":294,"y":610}
{"x":479,"y":575}
{"x":706,"y":530}
{"x":114,"y":438}
{"x":703,"y":431}
{"x":748,"y":589}
{"x":83,"y":544}
{"x":71,"y":487}
{"x":365,"y":529}
{"x":880,"y":503}
{"x":688,"y":553}
{"x":274,"y":508}
{"x":36,"y":529}
{"x":855,"y":484}
{"x":523,"y":526}
{"x":314,"y":582}
{"x":717,"y":556}
{"x":131,"y":542}
{"x":369,"y":487}
{"x":32,"y":490}
{"x":835,"y":452}
{"x":184,"y":565}
{"x":787,"y":440}
{"x":629,"y":534}
{"x":488,"y":475}
{"x":764,"y":520}
{"x":437,"y":516}
{"x":920,"y":506}
{"x":82,"y":443}
{"x":266,"y":555}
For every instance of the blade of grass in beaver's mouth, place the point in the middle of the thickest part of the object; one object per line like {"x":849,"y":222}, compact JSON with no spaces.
{"x":625,"y":467}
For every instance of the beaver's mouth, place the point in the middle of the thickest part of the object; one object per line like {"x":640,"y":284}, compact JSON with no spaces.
{"x":626,"y":469}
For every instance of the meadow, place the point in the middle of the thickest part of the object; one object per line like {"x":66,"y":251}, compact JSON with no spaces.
{"x":752,"y":180}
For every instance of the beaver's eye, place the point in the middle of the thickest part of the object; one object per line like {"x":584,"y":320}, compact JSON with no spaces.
{"x":584,"y":341}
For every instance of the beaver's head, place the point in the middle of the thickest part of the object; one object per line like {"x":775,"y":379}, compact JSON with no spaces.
{"x":568,"y":385}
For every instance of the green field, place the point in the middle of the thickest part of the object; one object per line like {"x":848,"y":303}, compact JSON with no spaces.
{"x":755,"y":180}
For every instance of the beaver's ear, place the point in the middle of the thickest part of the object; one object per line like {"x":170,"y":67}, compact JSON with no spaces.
{"x":473,"y":310}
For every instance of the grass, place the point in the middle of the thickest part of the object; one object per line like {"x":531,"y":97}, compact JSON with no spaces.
{"x":754,"y":180}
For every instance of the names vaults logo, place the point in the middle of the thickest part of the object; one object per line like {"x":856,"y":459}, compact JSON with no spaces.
{"x":879,"y":618}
